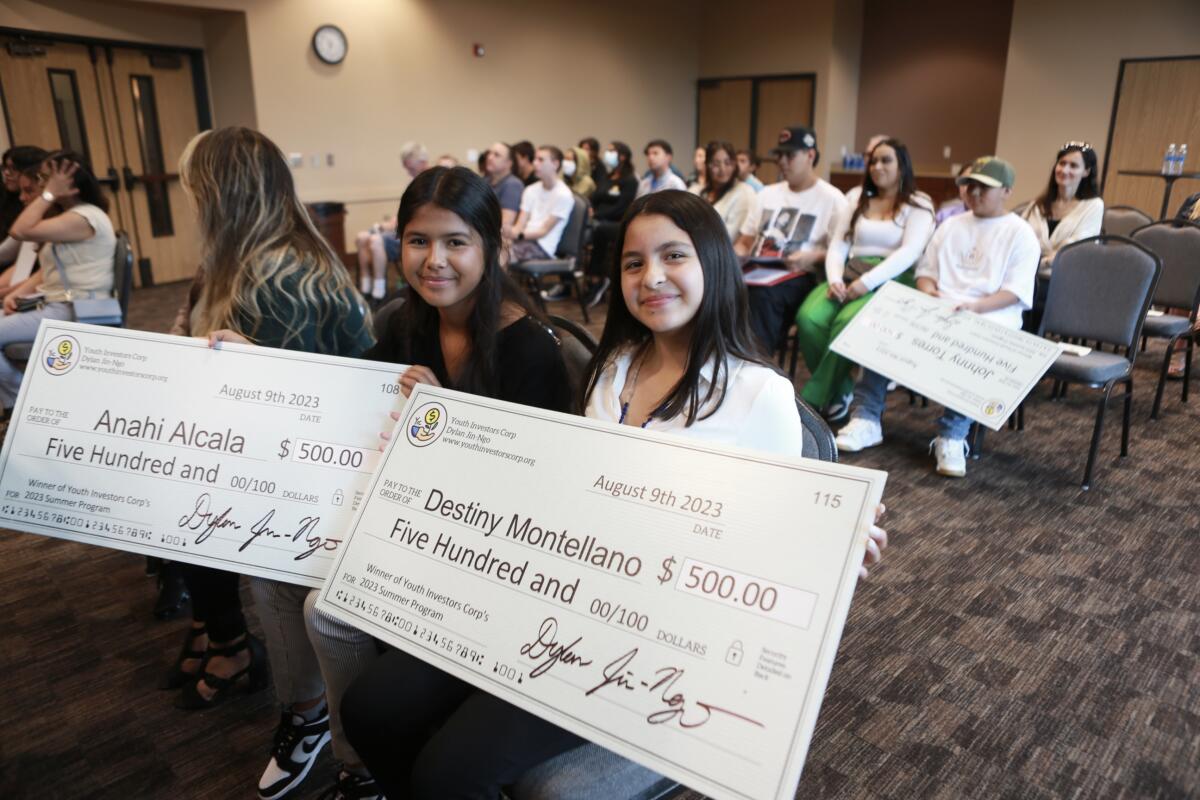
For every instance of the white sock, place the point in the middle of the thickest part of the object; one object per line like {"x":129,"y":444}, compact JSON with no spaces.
{"x":380,"y":287}
{"x":365,"y":284}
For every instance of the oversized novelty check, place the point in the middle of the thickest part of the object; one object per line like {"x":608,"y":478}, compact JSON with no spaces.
{"x":673,"y":601}
{"x":248,"y":459}
{"x":962,"y":360}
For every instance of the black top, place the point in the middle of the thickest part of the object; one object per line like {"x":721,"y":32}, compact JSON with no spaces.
{"x":1051,"y":224}
{"x":609,"y":206}
{"x":10,"y":209}
{"x":531,"y":369}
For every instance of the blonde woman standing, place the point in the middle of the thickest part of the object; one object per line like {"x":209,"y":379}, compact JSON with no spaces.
{"x":267,"y":278}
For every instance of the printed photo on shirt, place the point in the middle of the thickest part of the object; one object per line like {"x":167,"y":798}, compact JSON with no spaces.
{"x":784,"y":232}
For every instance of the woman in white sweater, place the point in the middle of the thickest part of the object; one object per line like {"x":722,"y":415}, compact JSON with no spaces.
{"x":882,"y":234}
{"x":1070,"y":208}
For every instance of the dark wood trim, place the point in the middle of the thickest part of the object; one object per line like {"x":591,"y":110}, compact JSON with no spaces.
{"x":1112,"y":119}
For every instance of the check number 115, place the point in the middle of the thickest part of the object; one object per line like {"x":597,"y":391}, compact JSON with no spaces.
{"x":827,"y":499}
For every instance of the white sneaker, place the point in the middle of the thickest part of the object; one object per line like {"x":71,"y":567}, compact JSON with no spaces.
{"x":951,"y":456}
{"x":859,"y":434}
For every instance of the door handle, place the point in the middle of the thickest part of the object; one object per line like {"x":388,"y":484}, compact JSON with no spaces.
{"x":112,"y":180}
{"x":130,"y":178}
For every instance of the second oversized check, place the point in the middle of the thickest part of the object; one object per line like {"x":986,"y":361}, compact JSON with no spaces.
{"x":676,"y":602}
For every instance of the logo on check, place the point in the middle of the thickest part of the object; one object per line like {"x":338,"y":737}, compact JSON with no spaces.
{"x":61,"y":355}
{"x":426,"y":424}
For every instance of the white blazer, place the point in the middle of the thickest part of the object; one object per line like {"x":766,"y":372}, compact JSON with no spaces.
{"x":1085,"y":220}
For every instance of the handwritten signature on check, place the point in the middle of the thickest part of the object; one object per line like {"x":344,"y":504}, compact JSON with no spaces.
{"x":547,"y":651}
{"x":207,"y":521}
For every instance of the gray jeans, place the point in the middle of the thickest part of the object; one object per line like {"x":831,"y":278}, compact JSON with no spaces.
{"x":310,"y":652}
{"x":870,"y":397}
{"x":23,"y":327}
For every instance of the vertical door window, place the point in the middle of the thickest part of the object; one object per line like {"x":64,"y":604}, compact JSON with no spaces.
{"x":67,"y":110}
{"x":145,"y":110}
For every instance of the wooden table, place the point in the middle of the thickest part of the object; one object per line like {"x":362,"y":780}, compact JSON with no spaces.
{"x":1169,"y":183}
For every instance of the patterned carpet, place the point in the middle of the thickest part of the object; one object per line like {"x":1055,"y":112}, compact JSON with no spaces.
{"x":1023,"y":639}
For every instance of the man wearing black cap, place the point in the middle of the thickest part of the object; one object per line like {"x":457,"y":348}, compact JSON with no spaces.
{"x":790,"y":225}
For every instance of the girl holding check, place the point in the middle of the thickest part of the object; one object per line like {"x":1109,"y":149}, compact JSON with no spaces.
{"x":676,"y":356}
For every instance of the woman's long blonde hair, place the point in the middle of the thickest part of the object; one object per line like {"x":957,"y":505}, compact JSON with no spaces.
{"x":257,"y":236}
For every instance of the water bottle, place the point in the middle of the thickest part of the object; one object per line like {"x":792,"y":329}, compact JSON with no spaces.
{"x":1180,"y":157}
{"x":1168,"y":165}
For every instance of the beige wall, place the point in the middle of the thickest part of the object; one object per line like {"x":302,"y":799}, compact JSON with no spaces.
{"x":767,"y":37}
{"x":124,"y":21}
{"x":929,"y":84}
{"x":1061,"y":76}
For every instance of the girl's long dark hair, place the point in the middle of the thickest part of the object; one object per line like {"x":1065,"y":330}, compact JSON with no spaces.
{"x":712,"y":191}
{"x":1087,"y":185}
{"x":461,"y":191}
{"x":721,"y":327}
{"x":904,"y":194}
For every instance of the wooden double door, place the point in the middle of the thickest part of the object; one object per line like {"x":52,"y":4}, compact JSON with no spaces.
{"x":129,"y":113}
{"x":750,"y":112}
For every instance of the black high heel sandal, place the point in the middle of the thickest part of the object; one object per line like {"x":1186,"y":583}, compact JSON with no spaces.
{"x":176,"y":676}
{"x":257,"y":673}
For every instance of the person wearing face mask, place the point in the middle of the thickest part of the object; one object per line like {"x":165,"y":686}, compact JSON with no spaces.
{"x":885,"y":232}
{"x":610,"y":201}
{"x":577,"y":171}
{"x":723,"y":187}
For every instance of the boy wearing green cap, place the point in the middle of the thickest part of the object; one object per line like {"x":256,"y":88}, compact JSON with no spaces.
{"x":986,"y":262}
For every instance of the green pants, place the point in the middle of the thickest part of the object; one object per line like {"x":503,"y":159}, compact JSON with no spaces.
{"x":818,"y":322}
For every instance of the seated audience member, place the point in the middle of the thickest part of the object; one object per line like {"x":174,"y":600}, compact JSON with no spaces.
{"x":697,"y":177}
{"x":877,"y":239}
{"x":447,"y":160}
{"x":591,"y":146}
{"x":955,"y":207}
{"x":545,"y":208}
{"x":268,"y":277}
{"x":875,"y":140}
{"x":577,"y":172}
{"x":414,"y":157}
{"x":522,"y":153}
{"x":421,"y":732}
{"x":28,"y":188}
{"x":1190,"y":208}
{"x":1070,"y":208}
{"x":984,"y":262}
{"x":790,"y":223}
{"x":68,"y":218}
{"x":15,"y":161}
{"x":376,"y":248}
{"x":658,"y":156}
{"x":609,"y":203}
{"x":747,"y":164}
{"x":729,"y":195}
{"x":508,"y":187}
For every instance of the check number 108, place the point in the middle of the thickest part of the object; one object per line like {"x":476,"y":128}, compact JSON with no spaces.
{"x":747,"y":592}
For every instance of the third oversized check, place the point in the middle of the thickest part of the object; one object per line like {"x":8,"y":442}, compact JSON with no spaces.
{"x":962,"y":360}
{"x":674,"y":601}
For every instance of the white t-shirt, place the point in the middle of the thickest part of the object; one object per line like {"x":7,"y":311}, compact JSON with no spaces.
{"x":899,"y":240}
{"x":972,"y":257}
{"x":540,"y":203}
{"x":759,"y":410}
{"x":783,"y":221}
{"x":650,"y":184}
{"x":89,"y":263}
{"x":734,"y":206}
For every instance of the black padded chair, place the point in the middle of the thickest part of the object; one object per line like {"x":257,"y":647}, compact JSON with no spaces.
{"x":1100,"y":289}
{"x":1177,"y":243}
{"x":578,"y":346}
{"x":590,"y":771}
{"x":570,"y":252}
{"x":17,"y":353}
{"x":1123,"y":220}
{"x":383,"y":315}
